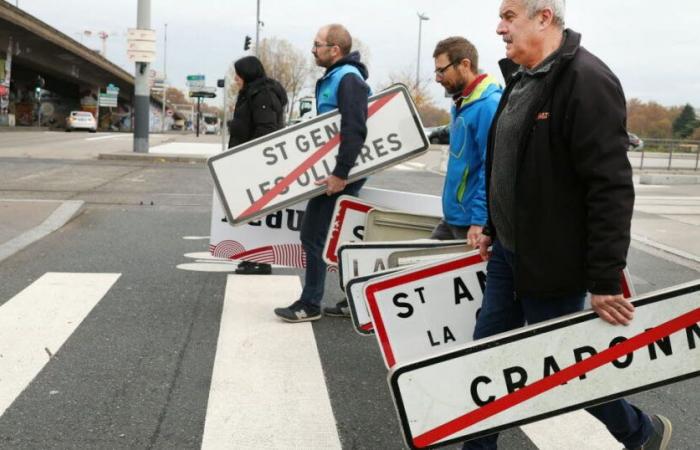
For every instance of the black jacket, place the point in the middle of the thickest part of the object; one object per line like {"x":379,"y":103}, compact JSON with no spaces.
{"x":573,"y":188}
{"x":259,"y":111}
{"x":352,"y":105}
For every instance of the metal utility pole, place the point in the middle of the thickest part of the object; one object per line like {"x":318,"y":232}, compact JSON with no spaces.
{"x":165,"y":76}
{"x":421,"y":18}
{"x":141,"y":90}
{"x":257,"y":28}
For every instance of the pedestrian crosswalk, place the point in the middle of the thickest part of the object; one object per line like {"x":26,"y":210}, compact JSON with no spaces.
{"x":267,"y":381}
{"x":35,"y":323}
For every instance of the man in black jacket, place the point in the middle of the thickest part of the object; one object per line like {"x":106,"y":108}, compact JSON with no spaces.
{"x":559,"y":193}
{"x":343,"y":87}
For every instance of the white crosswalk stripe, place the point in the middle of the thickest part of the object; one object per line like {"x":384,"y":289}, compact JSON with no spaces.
{"x":35,"y":323}
{"x":577,"y":429}
{"x":267,"y":388}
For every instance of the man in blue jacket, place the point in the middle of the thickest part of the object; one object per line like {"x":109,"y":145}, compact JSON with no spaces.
{"x":476,"y":98}
{"x":343,"y":87}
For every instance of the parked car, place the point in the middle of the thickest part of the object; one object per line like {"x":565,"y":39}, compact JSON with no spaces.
{"x":440,"y":135}
{"x":81,"y":120}
{"x":635,"y":143}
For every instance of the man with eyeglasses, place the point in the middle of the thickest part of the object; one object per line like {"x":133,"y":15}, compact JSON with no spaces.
{"x":476,"y":98}
{"x":342,"y":87}
{"x":560,"y":196}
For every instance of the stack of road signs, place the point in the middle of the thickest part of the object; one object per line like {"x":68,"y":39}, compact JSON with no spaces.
{"x":295,"y":158}
{"x":548,"y":369}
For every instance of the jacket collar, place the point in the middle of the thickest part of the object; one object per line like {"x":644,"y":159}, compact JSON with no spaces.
{"x":568,"y":49}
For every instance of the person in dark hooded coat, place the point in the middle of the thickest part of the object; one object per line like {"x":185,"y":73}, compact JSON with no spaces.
{"x":260,"y":104}
{"x":259,"y":111}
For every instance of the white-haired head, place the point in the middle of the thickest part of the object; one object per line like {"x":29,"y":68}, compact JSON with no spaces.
{"x":558,"y":8}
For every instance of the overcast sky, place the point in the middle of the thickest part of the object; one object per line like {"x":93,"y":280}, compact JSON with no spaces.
{"x":652,"y":46}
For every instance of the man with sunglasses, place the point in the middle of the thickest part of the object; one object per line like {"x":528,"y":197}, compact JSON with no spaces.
{"x":476,"y":98}
{"x":342,"y":87}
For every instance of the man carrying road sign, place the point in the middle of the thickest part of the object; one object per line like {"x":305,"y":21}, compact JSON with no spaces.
{"x":560,"y":195}
{"x":343,"y":87}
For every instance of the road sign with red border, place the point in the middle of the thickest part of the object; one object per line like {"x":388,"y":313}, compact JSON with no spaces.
{"x":281,"y":168}
{"x":431,"y":307}
{"x":355,"y":293}
{"x":350,"y":214}
{"x":548,"y":369}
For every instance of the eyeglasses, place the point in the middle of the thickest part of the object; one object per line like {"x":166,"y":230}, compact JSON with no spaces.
{"x":318,"y":45}
{"x":440,"y":71}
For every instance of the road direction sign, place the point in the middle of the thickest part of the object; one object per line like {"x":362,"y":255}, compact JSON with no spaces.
{"x":108,"y":100}
{"x":137,"y":56}
{"x":297,"y":156}
{"x":195,"y":81}
{"x":548,"y":369}
{"x":134,"y":34}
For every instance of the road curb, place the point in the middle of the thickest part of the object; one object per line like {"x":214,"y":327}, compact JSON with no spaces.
{"x":64,"y":213}
{"x":153,"y":158}
{"x":665,"y":248}
{"x":668,"y":178}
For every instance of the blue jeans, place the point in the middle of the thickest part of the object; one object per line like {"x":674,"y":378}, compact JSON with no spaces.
{"x":502,"y":311}
{"x":314,"y":229}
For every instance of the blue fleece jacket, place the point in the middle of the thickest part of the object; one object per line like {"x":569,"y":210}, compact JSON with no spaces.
{"x":464,"y":192}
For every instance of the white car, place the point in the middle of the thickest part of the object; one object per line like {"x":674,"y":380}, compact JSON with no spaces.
{"x":81,"y":120}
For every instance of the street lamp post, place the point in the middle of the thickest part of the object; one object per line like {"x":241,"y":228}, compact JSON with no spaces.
{"x":257,"y":28}
{"x":421,"y":18}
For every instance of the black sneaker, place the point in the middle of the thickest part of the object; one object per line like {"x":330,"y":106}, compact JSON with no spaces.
{"x":341,"y":309}
{"x":253,"y":268}
{"x":660,"y":435}
{"x":298,"y":312}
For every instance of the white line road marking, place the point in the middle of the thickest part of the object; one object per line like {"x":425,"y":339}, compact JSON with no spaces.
{"x":195,"y":238}
{"x":56,"y":220}
{"x":186,"y":148}
{"x":577,"y":429}
{"x":208,"y":266}
{"x":110,"y":136}
{"x":267,"y":388}
{"x":41,"y":318}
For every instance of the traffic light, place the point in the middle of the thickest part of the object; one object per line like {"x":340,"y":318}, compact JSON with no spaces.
{"x":40,"y":83}
{"x":246,"y":43}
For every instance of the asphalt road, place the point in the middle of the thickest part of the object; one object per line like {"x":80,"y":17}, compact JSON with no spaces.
{"x":136,"y":372}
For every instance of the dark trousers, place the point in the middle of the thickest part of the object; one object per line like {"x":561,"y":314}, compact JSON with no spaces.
{"x":446,"y":232}
{"x":314,"y":229}
{"x":503,"y":311}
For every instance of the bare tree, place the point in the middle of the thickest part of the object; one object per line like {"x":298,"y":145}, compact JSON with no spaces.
{"x":430,"y":114}
{"x":286,"y":64}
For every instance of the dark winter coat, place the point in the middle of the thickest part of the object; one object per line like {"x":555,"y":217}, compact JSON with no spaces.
{"x":574,"y":191}
{"x":259,"y":111}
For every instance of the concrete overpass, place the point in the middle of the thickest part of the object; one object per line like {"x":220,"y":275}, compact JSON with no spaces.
{"x":72,"y":74}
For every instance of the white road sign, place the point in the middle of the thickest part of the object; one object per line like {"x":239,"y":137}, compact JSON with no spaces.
{"x":297,"y":156}
{"x":277,"y":234}
{"x":355,"y":293}
{"x":142,"y":46}
{"x":427,"y":308}
{"x":363,"y":258}
{"x":431,"y":307}
{"x":350,"y":214}
{"x":137,"y":34}
{"x":138,"y":56}
{"x":548,"y":369}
